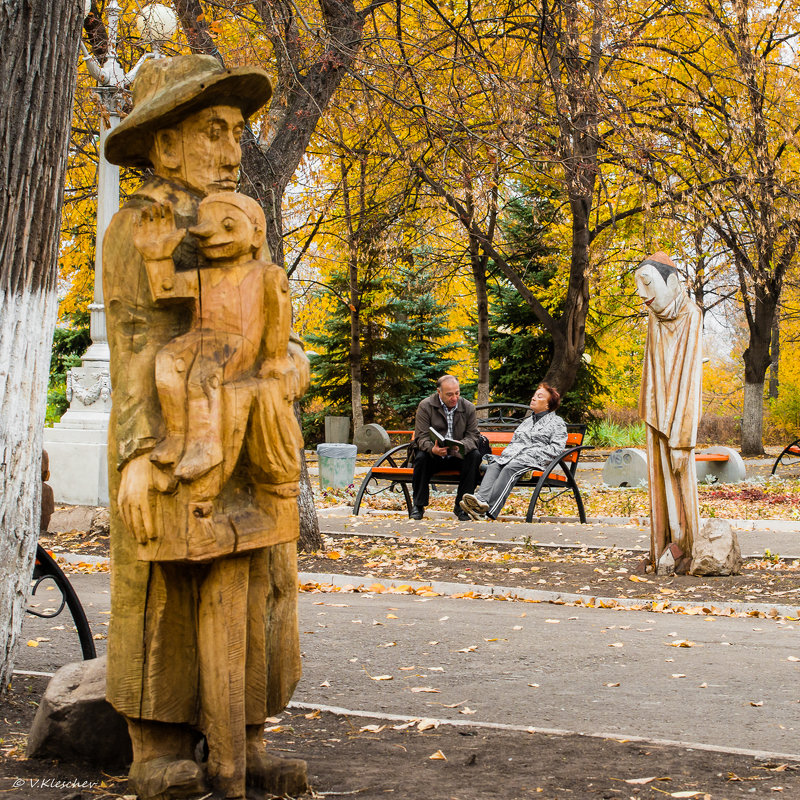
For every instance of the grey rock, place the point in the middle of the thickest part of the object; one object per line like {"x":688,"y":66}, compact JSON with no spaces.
{"x":716,"y":550}
{"x":101,"y":523}
{"x":75,"y":722}
{"x":72,"y":518}
{"x":372,"y":438}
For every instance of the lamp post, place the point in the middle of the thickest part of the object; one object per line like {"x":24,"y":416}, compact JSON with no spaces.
{"x":77,"y":444}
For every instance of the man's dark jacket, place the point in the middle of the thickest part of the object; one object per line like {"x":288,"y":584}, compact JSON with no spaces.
{"x":430,"y":414}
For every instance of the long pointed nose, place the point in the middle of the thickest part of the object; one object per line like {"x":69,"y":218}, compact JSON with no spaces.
{"x":203,"y":230}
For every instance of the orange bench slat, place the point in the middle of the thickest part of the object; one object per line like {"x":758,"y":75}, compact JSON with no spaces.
{"x":711,"y":457}
{"x":407,"y":472}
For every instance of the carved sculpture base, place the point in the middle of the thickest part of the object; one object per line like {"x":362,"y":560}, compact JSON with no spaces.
{"x":78,"y":444}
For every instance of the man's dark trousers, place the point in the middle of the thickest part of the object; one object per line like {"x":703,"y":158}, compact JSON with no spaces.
{"x":426,"y":465}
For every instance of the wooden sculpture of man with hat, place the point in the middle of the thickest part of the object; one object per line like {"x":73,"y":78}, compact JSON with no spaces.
{"x":203,"y":641}
{"x":670,"y":404}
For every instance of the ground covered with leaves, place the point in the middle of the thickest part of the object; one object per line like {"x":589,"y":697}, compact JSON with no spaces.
{"x":601,"y":573}
{"x":418,"y":759}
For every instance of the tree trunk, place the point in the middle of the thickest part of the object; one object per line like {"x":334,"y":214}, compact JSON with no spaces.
{"x":38,"y":74}
{"x":753,"y":419}
{"x":756,"y":362}
{"x":310,"y":537}
{"x":761,"y":315}
{"x":482,"y":302}
{"x":775,"y":351}
{"x":301,"y":95}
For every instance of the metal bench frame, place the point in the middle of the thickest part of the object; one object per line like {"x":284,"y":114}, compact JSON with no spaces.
{"x":791,"y":450}
{"x":46,"y":568}
{"x":394,"y":466}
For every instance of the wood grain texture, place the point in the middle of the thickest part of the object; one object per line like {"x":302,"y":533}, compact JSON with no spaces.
{"x":203,"y":464}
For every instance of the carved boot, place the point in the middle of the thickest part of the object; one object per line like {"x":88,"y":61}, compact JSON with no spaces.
{"x":166,"y":778}
{"x":163,"y":767}
{"x":280,"y":776}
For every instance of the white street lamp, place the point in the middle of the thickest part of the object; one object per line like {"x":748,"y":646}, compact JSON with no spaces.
{"x":79,"y":439}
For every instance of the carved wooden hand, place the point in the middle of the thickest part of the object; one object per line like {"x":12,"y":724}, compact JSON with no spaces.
{"x":134,"y":500}
{"x":155,"y":234}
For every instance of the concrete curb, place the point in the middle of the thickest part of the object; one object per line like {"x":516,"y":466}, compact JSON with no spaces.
{"x":446,"y":588}
{"x":763,"y":755}
{"x":786,"y":525}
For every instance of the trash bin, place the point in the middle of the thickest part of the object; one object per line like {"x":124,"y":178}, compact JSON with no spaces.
{"x":337,"y":465}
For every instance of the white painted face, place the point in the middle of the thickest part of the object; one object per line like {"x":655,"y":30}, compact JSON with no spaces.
{"x":656,"y":294}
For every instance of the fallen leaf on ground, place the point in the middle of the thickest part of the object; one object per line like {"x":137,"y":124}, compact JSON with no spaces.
{"x":438,"y":756}
{"x":757,"y":704}
{"x":641,"y":781}
{"x":371,"y":729}
{"x":611,"y":685}
{"x":682,"y":643}
{"x":471,"y":649}
{"x":427,"y":724}
{"x":424,"y":689}
{"x":382,"y":677}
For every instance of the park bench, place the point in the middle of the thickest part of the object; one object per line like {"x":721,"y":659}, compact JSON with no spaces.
{"x":789,"y":457}
{"x":393,"y":468}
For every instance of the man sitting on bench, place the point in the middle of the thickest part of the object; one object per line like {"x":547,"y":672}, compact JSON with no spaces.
{"x":535,"y":443}
{"x":454,"y":419}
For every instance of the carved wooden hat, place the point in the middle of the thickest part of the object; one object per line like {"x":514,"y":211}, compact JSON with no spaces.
{"x":166,"y":90}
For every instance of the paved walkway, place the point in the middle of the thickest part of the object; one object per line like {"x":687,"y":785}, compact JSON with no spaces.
{"x":549,"y":667}
{"x":755,"y":536}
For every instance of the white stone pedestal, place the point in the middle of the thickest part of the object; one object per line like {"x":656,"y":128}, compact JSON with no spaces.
{"x":78,"y":445}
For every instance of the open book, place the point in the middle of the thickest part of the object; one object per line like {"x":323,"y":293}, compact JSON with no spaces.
{"x":443,"y":441}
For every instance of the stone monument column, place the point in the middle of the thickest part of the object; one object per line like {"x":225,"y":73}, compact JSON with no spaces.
{"x":77,"y":445}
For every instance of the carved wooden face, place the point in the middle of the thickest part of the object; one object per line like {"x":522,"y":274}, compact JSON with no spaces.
{"x":225,"y":231}
{"x":657,"y":294}
{"x":207,"y":151}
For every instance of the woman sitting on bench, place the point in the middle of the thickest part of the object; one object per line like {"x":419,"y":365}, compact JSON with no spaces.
{"x":535,"y":443}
